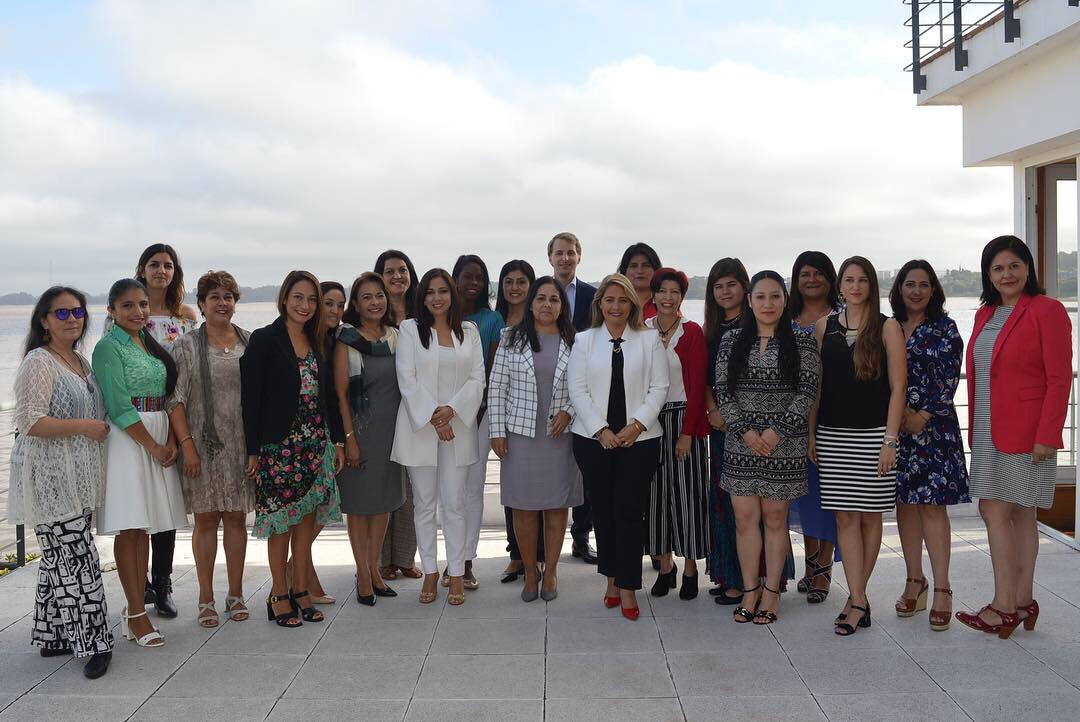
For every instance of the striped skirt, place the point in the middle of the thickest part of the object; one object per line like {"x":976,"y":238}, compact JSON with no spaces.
{"x":679,"y":496}
{"x":847,"y":463}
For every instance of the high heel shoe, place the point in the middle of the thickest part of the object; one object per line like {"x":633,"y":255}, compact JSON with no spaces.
{"x":153,"y":638}
{"x":283,"y":619}
{"x":940,"y":620}
{"x":742,"y":615}
{"x":908,"y":606}
{"x":689,"y":588}
{"x":631,"y":613}
{"x":846,"y":629}
{"x":1032,"y":611}
{"x":310,"y":614}
{"x":612,"y":602}
{"x":1009,"y":622}
{"x":664,"y":581}
{"x":368,"y":600}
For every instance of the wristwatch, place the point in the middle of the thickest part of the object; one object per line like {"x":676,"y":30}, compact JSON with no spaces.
{"x":890,"y":443}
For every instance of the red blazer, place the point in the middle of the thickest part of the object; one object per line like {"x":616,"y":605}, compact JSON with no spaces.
{"x":1030,"y":375}
{"x":693,"y":357}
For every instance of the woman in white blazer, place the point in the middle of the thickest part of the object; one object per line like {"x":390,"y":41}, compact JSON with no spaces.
{"x":528,"y":414}
{"x":618,"y":384}
{"x":440,"y":371}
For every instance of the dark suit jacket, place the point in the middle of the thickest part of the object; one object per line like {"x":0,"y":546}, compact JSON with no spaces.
{"x":270,"y":389}
{"x":583,"y":305}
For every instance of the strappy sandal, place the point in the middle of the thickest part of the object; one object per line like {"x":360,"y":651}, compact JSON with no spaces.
{"x":909,"y":606}
{"x":310,"y":614}
{"x":766,"y":616}
{"x":428,"y":597}
{"x":815,"y":595}
{"x":846,"y":629}
{"x":842,"y":615}
{"x":388,"y":572}
{"x":455,"y":600}
{"x":287,"y":619}
{"x":742,"y":615}
{"x":411,"y":573}
{"x":211,"y":620}
{"x":236,"y":609}
{"x":153,"y":638}
{"x":940,"y":620}
{"x":807,"y":582}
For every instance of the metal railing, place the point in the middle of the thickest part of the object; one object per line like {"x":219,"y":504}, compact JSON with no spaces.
{"x":940,"y":26}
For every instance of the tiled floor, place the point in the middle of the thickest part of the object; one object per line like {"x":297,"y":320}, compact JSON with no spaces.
{"x":496,"y":658}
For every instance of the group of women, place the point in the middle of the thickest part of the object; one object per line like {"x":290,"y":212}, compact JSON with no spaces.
{"x":817,"y":412}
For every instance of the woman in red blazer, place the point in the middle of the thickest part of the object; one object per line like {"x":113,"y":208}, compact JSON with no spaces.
{"x":1019,"y":368}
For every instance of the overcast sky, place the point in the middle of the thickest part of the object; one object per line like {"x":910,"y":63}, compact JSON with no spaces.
{"x":272,"y":134}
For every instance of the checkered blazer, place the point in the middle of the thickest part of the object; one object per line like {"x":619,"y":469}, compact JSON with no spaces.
{"x":512,"y":390}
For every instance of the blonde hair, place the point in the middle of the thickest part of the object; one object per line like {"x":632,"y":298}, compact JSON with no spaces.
{"x":636,"y":314}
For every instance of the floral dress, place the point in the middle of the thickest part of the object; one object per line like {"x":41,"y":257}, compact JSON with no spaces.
{"x":296,"y":477}
{"x":930,"y":466}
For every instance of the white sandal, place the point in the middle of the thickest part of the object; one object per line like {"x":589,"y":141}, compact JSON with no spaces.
{"x":150,"y":639}
{"x":208,"y":621}
{"x":231,"y":611}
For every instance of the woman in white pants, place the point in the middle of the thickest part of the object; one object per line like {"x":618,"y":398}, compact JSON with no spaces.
{"x":440,"y":370}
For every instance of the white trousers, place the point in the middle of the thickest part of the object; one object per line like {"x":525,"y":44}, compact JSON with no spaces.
{"x":441,"y":487}
{"x":474,"y":492}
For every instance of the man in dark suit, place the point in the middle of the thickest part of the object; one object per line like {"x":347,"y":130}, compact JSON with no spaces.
{"x":564,"y":254}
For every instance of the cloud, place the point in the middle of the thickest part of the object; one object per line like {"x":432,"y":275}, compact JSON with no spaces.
{"x":261,"y":137}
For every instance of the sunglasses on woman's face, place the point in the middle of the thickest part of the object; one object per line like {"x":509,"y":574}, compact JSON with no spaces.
{"x":62,"y":314}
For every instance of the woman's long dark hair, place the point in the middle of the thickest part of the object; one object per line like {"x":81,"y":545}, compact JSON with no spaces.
{"x":991,"y":296}
{"x":463,"y":260}
{"x":935,"y":308}
{"x":410,"y":292}
{"x":714,"y":315}
{"x":788,"y":352}
{"x":174,"y":294}
{"x":639,"y":249}
{"x":501,"y":304}
{"x":352,"y":307}
{"x":424,"y":319}
{"x":314,"y":327}
{"x":525,"y":332}
{"x":818,"y":260}
{"x":330,"y":336}
{"x":154,"y":348}
{"x":37,"y":337}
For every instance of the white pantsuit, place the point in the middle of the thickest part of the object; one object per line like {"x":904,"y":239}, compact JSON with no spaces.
{"x":474,"y":491}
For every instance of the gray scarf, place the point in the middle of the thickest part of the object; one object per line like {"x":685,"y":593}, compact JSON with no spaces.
{"x":212,"y":444}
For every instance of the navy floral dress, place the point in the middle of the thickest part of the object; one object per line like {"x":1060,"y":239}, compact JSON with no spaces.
{"x":930,"y":466}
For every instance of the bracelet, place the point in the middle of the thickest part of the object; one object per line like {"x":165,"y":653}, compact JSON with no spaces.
{"x":600,"y":432}
{"x":348,"y":435}
{"x":339,"y":444}
{"x":189,"y":437}
{"x":640,"y":426}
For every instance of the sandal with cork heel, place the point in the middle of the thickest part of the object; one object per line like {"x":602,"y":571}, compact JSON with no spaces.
{"x":940,"y":620}
{"x":909,"y":606}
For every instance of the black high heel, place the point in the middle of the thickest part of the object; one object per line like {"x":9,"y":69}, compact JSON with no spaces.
{"x":310,"y":614}
{"x":845,"y":629}
{"x":743,"y":615}
{"x":664,"y":582}
{"x":283,"y":619}
{"x":689,"y":588}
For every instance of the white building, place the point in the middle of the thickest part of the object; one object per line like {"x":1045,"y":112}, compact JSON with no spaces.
{"x":1014,"y":68}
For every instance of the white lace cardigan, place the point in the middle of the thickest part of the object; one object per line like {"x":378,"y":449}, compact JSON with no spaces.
{"x":54,"y":479}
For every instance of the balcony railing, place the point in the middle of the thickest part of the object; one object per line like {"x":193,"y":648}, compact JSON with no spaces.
{"x":941,"y":26}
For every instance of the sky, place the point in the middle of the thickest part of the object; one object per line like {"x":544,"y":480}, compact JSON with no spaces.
{"x":263,"y":135}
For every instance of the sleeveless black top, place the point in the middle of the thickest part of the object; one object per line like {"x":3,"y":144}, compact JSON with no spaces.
{"x":846,"y":401}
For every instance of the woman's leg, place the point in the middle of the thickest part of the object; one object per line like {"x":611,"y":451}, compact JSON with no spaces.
{"x":554,"y":521}
{"x":849,"y":534}
{"x":998,"y":517}
{"x":234,"y":539}
{"x":376,"y":531}
{"x":425,"y":488}
{"x":512,"y":547}
{"x":633,"y":472}
{"x":314,"y":584}
{"x":774,"y":513}
{"x":1026,"y":544}
{"x":526,"y":528}
{"x":277,"y":554}
{"x":473,"y":500}
{"x":909,"y":522}
{"x":204,"y":547}
{"x":300,"y":545}
{"x":598,"y":476}
{"x":870,"y":523}
{"x":359,"y":528}
{"x":451,"y":489}
{"x":748,"y":540}
{"x":131,"y":549}
{"x":937,"y":534}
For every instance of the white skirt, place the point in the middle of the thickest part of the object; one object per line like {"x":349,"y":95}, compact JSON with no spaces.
{"x":139,"y":493}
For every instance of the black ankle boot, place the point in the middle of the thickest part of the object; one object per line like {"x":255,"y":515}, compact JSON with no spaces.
{"x":689,"y":589}
{"x":98,"y":665}
{"x":664,"y":582}
{"x":149,"y":597}
{"x":163,"y":601}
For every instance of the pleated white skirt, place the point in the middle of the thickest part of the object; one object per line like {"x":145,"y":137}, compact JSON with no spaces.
{"x":139,"y":493}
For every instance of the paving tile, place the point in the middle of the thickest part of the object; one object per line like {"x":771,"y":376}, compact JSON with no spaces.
{"x":766,"y":709}
{"x":1010,"y":665}
{"x":489,"y":636}
{"x":369,"y":710}
{"x":476,"y":710}
{"x":257,"y":636}
{"x":59,"y":708}
{"x":1062,"y":658}
{"x":931,"y":706}
{"x":15,"y":637}
{"x":1019,"y":705}
{"x":407,"y":637}
{"x":682,"y":634}
{"x":227,"y":675}
{"x":863,"y":669}
{"x":133,"y":672}
{"x":498,"y":603}
{"x":6,"y":699}
{"x":814,"y":629}
{"x":171,"y":709}
{"x":20,"y":672}
{"x":602,"y":636}
{"x":482,"y":676}
{"x":609,"y":676}
{"x":356,"y":677}
{"x":715,"y":674}
{"x":624,"y":710}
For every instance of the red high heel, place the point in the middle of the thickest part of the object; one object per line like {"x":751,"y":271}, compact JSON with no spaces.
{"x":1032,"y":614}
{"x":612,"y":602}
{"x":631,"y":614}
{"x":1009,"y":622}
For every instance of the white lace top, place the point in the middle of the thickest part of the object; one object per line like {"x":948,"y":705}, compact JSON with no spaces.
{"x":54,"y":479}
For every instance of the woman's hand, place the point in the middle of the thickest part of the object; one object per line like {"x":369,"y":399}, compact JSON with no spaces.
{"x":716,"y":420}
{"x":95,"y":430}
{"x":914,"y":421}
{"x":755,"y":443}
{"x":171,"y":453}
{"x":500,"y":447}
{"x":446,"y":432}
{"x":339,"y":458}
{"x":628,"y":435}
{"x":1042,"y":452}
{"x":771,"y":437}
{"x":160,"y":454}
{"x":559,"y":424}
{"x":352,"y":452}
{"x":441,"y":416}
{"x":682,"y":447}
{"x":192,"y":462}
{"x":886,"y":460}
{"x":251,"y":466}
{"x":609,"y":440}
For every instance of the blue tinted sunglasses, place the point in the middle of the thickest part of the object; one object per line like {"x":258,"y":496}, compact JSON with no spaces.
{"x":62,"y":314}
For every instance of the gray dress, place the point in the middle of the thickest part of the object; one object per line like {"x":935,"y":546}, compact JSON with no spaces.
{"x":377,"y":486}
{"x":1014,"y":478}
{"x":539,"y":473}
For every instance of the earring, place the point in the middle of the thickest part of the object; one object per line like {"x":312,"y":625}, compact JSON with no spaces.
{"x":45,"y":334}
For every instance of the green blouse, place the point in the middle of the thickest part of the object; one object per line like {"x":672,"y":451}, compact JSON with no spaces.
{"x":124,"y":371}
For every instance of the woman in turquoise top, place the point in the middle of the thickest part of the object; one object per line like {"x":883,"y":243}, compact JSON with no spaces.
{"x":474,"y":284}
{"x":142,"y":490}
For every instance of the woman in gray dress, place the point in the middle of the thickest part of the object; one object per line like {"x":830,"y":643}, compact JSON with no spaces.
{"x":205,"y":412}
{"x":371,"y":485}
{"x":528,"y":414}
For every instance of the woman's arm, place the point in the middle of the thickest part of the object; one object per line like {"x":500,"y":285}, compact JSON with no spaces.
{"x":1055,"y":347}
{"x":341,"y":392}
{"x":725,"y":400}
{"x":796,"y":416}
{"x":694,"y":360}
{"x":657,"y":382}
{"x":419,"y":404}
{"x":896,"y":354}
{"x":498,"y":389}
{"x":252,"y":384}
{"x":34,"y":384}
{"x":577,"y":373}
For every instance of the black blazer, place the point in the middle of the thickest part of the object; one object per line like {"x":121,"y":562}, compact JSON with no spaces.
{"x":583,"y":305}
{"x":270,"y":389}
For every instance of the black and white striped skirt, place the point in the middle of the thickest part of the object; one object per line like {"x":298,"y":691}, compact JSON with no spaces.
{"x":679,"y":496}
{"x":848,"y":465}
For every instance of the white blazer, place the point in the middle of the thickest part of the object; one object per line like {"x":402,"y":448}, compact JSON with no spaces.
{"x":512,"y":400}
{"x":645,"y":379}
{"x":415,"y":440}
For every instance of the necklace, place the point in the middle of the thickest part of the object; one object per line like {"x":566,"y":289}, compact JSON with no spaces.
{"x":664,"y":332}
{"x":84,"y":377}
